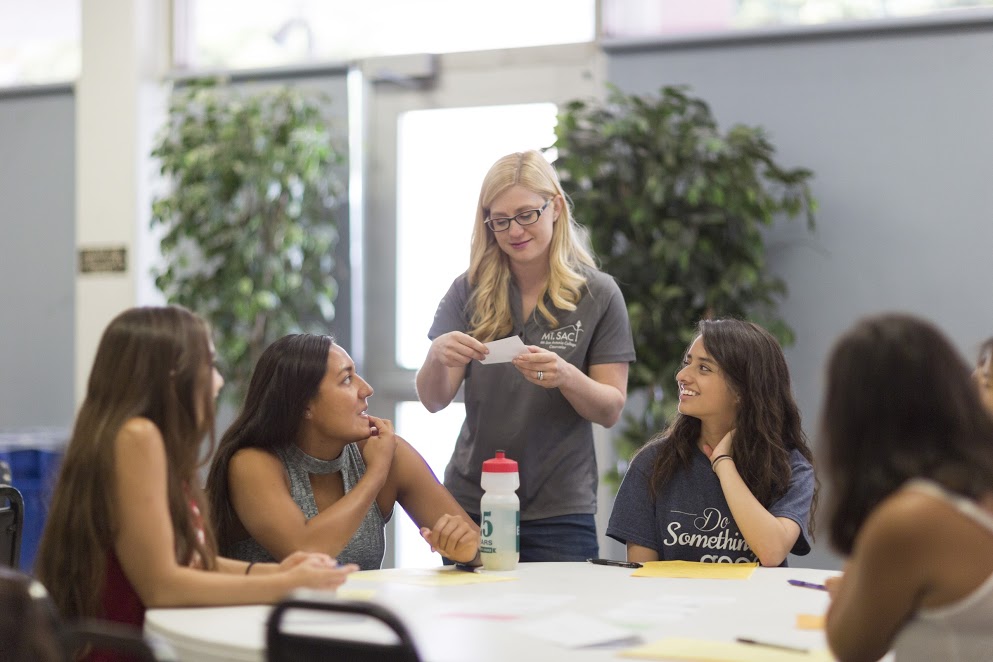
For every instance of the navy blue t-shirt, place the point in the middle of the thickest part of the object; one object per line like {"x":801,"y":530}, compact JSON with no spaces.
{"x":690,"y":520}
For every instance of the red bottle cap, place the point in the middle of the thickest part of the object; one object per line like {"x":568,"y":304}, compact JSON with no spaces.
{"x":500,"y":464}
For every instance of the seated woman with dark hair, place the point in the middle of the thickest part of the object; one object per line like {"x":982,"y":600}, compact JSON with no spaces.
{"x":730,"y":480}
{"x":983,"y":374}
{"x":305,"y":466}
{"x":909,"y":451}
{"x":126,"y":530}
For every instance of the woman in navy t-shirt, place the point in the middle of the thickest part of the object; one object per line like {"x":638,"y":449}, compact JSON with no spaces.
{"x":730,"y":481}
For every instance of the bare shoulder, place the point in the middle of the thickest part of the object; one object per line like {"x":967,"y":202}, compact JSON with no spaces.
{"x":912,"y":508}
{"x":140,"y":460}
{"x":897,"y":522}
{"x":409,"y":457}
{"x":254,"y":462}
{"x":139,"y":437}
{"x":406,"y":446}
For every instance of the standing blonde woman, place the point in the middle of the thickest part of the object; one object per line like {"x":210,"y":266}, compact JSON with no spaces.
{"x":127,"y":530}
{"x":531,"y":275}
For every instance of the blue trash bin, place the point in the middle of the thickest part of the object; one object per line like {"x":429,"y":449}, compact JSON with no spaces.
{"x":34,"y":457}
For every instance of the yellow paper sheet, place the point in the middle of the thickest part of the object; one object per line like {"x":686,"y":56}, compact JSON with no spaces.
{"x":696,"y":570}
{"x":810,"y":621}
{"x":363,"y":594}
{"x":701,"y":650}
{"x":430,"y":576}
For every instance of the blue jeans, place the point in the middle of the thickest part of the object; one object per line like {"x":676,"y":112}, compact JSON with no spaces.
{"x":562,"y":538}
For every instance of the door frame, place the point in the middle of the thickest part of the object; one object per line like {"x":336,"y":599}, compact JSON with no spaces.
{"x":555,"y":74}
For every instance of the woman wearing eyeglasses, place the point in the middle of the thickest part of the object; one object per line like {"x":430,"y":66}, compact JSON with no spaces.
{"x":531,"y":275}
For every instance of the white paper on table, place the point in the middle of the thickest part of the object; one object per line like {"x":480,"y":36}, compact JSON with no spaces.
{"x":513,"y":604}
{"x":663,"y":609}
{"x":505,"y":349}
{"x":574,"y":630}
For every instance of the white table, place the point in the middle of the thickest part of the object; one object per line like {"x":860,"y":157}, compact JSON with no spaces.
{"x":451,"y":623}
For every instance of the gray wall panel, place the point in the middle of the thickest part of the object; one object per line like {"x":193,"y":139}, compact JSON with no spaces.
{"x":896,"y":128}
{"x":37,"y":259}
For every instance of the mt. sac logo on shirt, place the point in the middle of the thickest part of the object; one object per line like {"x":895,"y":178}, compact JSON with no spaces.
{"x":564,"y":337}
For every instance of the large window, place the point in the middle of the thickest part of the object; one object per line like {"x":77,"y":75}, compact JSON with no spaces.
{"x":660,"y":18}
{"x":39,"y":41}
{"x":435,"y":217}
{"x":234,"y":34}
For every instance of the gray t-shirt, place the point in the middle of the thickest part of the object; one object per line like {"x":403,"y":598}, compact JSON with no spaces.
{"x":690,"y":520}
{"x":537,"y":427}
{"x":368,"y":543}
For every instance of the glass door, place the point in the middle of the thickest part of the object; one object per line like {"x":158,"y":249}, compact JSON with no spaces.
{"x":431,"y":141}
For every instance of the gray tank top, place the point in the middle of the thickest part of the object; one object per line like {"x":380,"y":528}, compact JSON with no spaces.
{"x":368,"y":544}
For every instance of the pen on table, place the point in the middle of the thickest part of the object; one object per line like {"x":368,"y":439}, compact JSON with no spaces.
{"x":784,"y":647}
{"x":803,"y":584}
{"x":619,"y":564}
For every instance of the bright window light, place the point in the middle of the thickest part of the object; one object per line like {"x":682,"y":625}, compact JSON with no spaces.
{"x":659,"y":18}
{"x":433,"y":435}
{"x":221,"y":34}
{"x":435,"y":214}
{"x":39,"y":41}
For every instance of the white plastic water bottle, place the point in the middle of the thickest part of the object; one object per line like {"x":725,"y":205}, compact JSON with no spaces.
{"x":500,"y":526}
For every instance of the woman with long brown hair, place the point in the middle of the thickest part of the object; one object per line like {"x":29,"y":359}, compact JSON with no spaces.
{"x":127,"y":529}
{"x":731,"y":480}
{"x":909,"y":451}
{"x":306,"y":466}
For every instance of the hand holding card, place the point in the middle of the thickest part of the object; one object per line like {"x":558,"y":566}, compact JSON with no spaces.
{"x":504,"y":350}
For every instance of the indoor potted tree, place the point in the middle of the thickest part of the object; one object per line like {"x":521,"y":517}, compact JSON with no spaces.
{"x":676,"y":210}
{"x":250,"y":221}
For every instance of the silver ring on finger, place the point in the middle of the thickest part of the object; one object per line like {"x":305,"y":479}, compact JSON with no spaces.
{"x":541,"y":375}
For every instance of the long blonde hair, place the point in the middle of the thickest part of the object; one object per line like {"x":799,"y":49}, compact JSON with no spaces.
{"x":489,"y":267}
{"x":154,"y":363}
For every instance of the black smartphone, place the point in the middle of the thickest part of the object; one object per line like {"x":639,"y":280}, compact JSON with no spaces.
{"x":619,"y":564}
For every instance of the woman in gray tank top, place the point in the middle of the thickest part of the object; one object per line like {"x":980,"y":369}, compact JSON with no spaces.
{"x":305,"y":466}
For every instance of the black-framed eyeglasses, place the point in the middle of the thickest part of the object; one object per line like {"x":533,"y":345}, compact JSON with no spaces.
{"x":524,"y":218}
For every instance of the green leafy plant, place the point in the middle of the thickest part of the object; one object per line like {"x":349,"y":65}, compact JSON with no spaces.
{"x":676,"y":210}
{"x":249,"y":225}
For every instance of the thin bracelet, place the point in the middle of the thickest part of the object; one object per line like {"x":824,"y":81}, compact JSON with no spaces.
{"x":716,"y":460}
{"x":249,"y":568}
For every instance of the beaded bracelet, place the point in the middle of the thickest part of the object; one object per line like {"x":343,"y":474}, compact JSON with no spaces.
{"x":713,"y":463}
{"x":249,"y":568}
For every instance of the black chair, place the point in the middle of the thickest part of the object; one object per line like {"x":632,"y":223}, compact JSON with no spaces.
{"x":31,"y":629}
{"x":285,"y":646}
{"x":11,"y":525}
{"x":104,"y":636}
